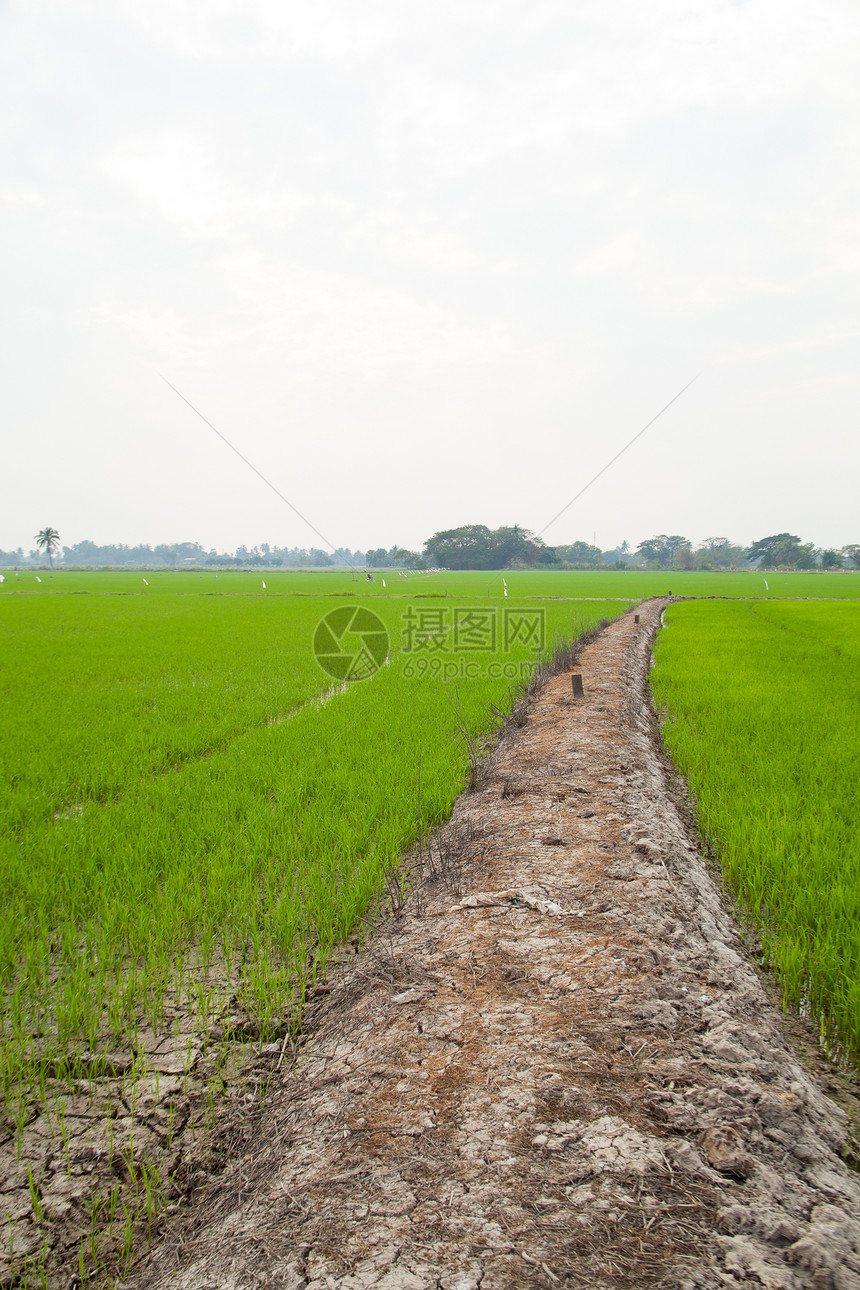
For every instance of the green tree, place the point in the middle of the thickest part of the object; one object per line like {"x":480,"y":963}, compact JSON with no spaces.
{"x":581,"y":555}
{"x":467,"y":547}
{"x":48,"y":540}
{"x":546,"y":555}
{"x":401,"y":557}
{"x":785,"y":549}
{"x":474,"y":546}
{"x":852,"y":551}
{"x":719,"y":553}
{"x":797,"y":555}
{"x":663,"y":549}
{"x":684,"y":558}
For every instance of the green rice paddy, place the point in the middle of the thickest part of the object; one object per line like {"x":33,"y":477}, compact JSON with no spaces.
{"x":600,"y":584}
{"x":187,"y":787}
{"x":185,"y":784}
{"x":196,"y":814}
{"x":761,"y":704}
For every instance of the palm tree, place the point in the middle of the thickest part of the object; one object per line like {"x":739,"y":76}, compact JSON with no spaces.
{"x":48,"y":540}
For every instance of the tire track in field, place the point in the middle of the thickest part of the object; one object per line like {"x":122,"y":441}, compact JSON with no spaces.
{"x":555,"y":1067}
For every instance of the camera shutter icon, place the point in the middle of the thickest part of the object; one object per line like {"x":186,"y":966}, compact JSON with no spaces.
{"x":351,"y":643}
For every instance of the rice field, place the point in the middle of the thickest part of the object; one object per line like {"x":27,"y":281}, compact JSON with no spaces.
{"x":197,"y":814}
{"x":201,"y":804}
{"x":598,"y":584}
{"x":183,"y":778}
{"x":760,"y":708}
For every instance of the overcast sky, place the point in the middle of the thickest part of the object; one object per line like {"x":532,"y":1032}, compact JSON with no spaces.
{"x":428,"y":264}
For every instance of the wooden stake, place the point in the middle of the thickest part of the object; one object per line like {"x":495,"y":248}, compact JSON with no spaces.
{"x":636,"y":618}
{"x":576,"y":685}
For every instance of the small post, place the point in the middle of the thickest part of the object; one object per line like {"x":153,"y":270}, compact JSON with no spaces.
{"x":636,"y":618}
{"x":576,"y":685}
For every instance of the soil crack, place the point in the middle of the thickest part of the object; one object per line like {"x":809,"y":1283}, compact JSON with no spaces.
{"x":571,"y":1076}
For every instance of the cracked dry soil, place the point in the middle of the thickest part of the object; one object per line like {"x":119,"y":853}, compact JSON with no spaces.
{"x":577,"y":1079}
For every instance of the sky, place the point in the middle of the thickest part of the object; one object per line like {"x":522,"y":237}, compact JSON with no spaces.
{"x":427,"y":264}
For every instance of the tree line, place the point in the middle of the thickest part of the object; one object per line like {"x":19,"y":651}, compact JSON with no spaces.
{"x":474,"y":546}
{"x":471,"y":546}
{"x":89,"y":554}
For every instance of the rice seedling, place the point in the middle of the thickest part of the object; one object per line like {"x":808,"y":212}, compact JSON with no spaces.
{"x":759,"y":713}
{"x":35,"y":1197}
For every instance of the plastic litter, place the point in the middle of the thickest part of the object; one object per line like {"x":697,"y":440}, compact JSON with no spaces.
{"x":518,"y":899}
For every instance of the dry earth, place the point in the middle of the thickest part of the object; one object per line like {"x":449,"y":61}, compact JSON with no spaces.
{"x":556,"y":1067}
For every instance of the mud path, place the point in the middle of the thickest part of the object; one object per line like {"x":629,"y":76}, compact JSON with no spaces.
{"x":556,"y":1067}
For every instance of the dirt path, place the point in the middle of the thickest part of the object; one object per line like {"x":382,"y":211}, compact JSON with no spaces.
{"x":581,"y":1083}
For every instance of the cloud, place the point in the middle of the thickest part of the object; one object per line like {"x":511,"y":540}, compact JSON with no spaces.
{"x":489,"y":228}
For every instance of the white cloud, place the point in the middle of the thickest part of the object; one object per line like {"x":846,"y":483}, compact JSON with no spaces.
{"x":502,"y":229}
